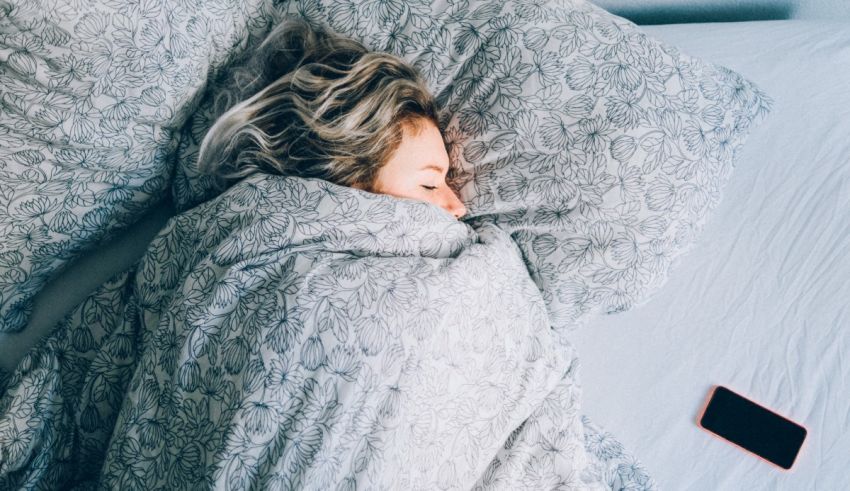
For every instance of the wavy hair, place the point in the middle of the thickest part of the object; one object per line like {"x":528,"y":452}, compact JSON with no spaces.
{"x":318,"y":105}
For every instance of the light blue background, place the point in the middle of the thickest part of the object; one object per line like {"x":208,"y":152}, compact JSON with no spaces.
{"x":679,"y":11}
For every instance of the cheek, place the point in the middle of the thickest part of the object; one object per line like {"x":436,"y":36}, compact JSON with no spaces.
{"x":398,"y":186}
{"x":386,"y":182}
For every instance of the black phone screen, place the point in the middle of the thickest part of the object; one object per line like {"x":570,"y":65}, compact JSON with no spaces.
{"x":753,"y":427}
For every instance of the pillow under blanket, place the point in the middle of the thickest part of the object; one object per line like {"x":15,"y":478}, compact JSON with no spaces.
{"x":90,"y":96}
{"x":599,"y":148}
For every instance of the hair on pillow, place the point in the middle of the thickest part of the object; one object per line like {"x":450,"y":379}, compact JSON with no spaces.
{"x":601,"y":149}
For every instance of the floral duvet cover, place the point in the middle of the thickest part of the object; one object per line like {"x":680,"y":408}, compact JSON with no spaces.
{"x":296,"y":334}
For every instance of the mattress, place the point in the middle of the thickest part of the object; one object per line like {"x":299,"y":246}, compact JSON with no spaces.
{"x":760,"y":304}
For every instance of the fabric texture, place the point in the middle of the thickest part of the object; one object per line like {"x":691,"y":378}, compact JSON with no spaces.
{"x":92,"y":93}
{"x":600,"y":149}
{"x":592,"y":154}
{"x":764,"y":290}
{"x":355,"y":341}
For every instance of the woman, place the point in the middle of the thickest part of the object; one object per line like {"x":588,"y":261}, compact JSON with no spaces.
{"x":323,"y":106}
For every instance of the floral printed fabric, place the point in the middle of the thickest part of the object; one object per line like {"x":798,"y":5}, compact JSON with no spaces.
{"x":354,"y":341}
{"x":91,"y":95}
{"x":600,"y":149}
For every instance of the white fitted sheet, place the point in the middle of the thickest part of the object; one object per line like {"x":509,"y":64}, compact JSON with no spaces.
{"x":760,"y":304}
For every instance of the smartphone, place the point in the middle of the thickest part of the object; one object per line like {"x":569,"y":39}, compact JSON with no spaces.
{"x":752,"y":427}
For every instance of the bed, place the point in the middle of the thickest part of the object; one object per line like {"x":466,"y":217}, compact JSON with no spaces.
{"x":760,"y":303}
{"x":728,"y":295}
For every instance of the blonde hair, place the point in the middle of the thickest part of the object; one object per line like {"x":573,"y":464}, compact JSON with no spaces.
{"x":318,"y":105}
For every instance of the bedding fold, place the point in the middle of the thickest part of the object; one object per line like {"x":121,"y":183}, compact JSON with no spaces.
{"x":292,"y":333}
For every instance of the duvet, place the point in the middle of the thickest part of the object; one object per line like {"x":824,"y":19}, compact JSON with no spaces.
{"x":295,"y":334}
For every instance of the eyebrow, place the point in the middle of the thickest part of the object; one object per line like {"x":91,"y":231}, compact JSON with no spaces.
{"x":432,"y":166}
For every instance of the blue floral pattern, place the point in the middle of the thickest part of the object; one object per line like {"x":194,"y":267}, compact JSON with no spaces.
{"x":59,"y":406}
{"x":252,"y":345}
{"x":600,"y":149}
{"x":333,"y":346}
{"x":93,"y":93}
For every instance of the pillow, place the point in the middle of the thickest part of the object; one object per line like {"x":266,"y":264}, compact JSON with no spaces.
{"x":91,"y":94}
{"x":601,"y":149}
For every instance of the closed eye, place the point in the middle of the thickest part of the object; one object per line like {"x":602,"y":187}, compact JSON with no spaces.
{"x":430,"y":188}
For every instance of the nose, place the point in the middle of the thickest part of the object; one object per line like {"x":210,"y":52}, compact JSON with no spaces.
{"x":454,"y":205}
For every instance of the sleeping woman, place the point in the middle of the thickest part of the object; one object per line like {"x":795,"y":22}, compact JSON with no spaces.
{"x":323,"y":106}
{"x":293,"y":335}
{"x":289,"y":335}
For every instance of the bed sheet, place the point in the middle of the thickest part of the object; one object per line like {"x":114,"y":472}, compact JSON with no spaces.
{"x":760,"y":304}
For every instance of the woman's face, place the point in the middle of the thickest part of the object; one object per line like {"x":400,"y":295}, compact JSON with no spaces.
{"x":418,"y":169}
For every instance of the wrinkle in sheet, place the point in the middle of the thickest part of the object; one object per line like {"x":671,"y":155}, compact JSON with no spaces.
{"x":761,"y":303}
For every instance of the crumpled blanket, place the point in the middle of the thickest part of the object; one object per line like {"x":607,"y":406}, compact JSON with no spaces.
{"x":296,"y":334}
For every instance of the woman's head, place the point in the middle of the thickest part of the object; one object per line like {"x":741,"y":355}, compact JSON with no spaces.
{"x":320,"y":105}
